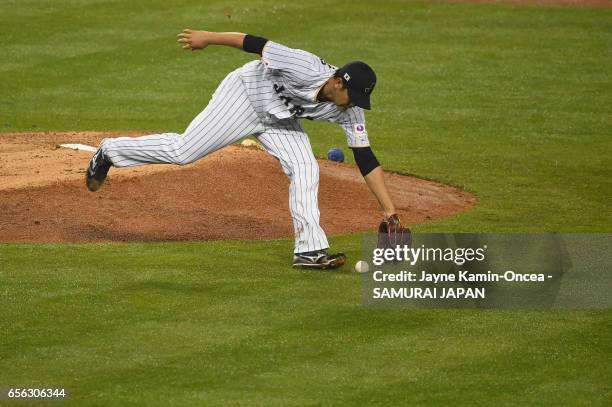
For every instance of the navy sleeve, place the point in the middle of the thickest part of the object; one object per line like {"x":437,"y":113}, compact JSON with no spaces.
{"x":254,"y":44}
{"x":365,"y":159}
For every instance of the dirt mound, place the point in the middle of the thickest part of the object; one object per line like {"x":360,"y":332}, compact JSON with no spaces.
{"x":236,"y":193}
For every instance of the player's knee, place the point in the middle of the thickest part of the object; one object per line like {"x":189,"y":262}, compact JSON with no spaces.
{"x":183,"y":159}
{"x":306,"y":173}
{"x":179,"y":154}
{"x":312,"y":168}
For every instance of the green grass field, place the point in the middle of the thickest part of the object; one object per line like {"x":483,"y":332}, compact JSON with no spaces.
{"x":511,"y":103}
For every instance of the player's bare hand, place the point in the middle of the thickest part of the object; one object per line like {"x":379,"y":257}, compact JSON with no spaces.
{"x":193,"y":40}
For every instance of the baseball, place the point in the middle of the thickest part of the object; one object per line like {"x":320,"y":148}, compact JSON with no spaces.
{"x":362,"y":266}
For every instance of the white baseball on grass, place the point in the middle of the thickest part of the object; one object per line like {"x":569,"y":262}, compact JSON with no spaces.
{"x":362,"y":266}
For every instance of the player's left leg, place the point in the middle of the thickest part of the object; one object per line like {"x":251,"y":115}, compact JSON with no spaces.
{"x":228,"y":117}
{"x":288,"y":142}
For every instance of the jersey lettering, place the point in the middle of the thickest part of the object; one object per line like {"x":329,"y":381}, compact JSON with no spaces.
{"x":295,"y":109}
{"x":326,"y":64}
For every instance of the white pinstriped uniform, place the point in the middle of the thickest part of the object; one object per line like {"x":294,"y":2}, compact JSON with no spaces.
{"x":265,"y":98}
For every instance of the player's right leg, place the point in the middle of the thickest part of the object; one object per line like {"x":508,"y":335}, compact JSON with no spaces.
{"x":228,"y":117}
{"x":289,"y":143}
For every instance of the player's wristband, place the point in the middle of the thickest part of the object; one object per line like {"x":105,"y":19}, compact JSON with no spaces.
{"x":365,"y":159}
{"x":254,"y":44}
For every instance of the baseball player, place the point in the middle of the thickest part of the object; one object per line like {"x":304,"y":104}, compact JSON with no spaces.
{"x":267,"y":98}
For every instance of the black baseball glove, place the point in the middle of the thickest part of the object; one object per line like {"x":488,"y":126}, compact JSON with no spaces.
{"x":391,"y":233}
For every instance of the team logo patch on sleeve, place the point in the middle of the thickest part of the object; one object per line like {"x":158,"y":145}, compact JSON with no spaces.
{"x":359,"y":128}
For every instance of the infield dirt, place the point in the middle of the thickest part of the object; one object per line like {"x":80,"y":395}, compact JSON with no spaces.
{"x":235,"y":193}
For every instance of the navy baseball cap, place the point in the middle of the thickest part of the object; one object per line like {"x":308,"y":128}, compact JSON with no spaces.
{"x":360,"y":80}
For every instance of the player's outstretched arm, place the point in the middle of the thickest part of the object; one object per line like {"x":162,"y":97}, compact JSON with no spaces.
{"x":374,"y":177}
{"x":376,"y":182}
{"x":193,"y":39}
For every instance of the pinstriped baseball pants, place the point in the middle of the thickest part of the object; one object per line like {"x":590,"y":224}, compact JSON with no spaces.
{"x":229,"y":117}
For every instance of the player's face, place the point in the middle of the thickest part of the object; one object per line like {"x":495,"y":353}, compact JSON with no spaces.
{"x":341,"y":96}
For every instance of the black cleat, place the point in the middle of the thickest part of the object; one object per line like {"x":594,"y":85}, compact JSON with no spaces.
{"x":97,"y":171}
{"x":318,"y":260}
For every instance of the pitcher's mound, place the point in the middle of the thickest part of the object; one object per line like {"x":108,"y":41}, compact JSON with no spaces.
{"x":236,"y":193}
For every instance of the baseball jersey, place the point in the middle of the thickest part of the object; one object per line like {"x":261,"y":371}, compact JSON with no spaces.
{"x":284,"y":85}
